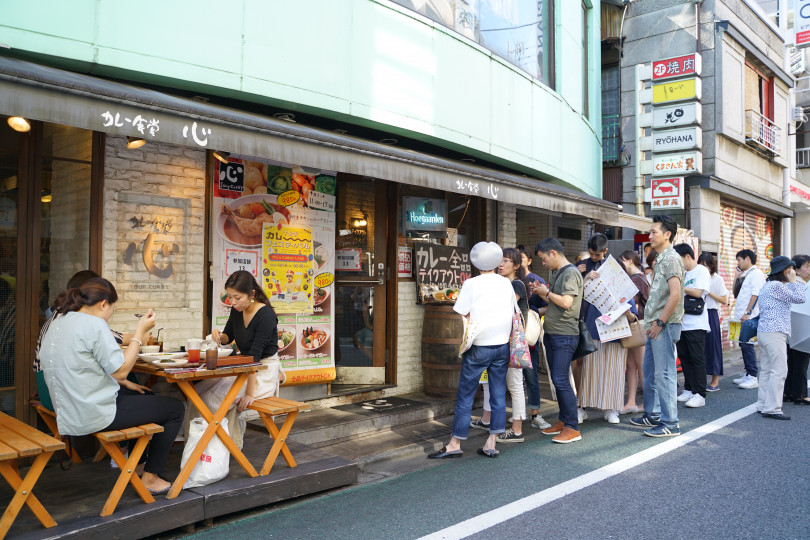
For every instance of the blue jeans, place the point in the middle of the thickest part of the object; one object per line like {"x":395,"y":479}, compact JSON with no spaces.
{"x":559,"y":353}
{"x":495,"y":359}
{"x":531,"y":378}
{"x":749,"y":359}
{"x":661,"y":376}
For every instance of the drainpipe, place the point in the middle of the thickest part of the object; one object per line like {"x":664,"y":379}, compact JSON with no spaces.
{"x":790,"y":147}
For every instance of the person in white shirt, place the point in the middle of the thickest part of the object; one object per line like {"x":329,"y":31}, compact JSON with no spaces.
{"x":718,"y":296}
{"x":750,"y":279}
{"x":695,"y":326}
{"x":488,"y":300}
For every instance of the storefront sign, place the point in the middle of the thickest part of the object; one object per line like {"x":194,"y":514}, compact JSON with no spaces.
{"x":421,"y":214}
{"x":404,"y":262}
{"x":452,"y":237}
{"x":440,"y":272}
{"x":321,"y":201}
{"x":677,"y":139}
{"x":684,"y":114}
{"x":680,"y":163}
{"x":676,"y":91}
{"x":241,"y":259}
{"x":348,"y":260}
{"x":679,"y":66}
{"x":801,"y":24}
{"x":296,"y":272}
{"x":667,"y":193}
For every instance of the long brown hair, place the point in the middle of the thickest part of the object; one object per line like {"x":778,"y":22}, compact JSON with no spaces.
{"x":514,"y":255}
{"x":89,"y":293}
{"x":244,"y":282}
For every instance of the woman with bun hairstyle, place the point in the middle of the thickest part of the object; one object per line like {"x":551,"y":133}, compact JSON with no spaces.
{"x":86,"y":371}
{"x":253,"y":324}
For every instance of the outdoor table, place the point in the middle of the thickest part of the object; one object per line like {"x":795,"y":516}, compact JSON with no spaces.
{"x":184,"y":380}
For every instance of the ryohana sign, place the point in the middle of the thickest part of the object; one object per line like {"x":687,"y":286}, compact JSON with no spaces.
{"x":684,"y":114}
{"x":679,"y":66}
{"x":679,"y":163}
{"x":677,"y":139}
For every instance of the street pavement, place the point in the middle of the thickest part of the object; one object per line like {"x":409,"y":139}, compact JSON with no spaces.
{"x":749,"y":479}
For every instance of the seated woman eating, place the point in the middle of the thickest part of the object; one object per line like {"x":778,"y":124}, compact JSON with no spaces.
{"x":84,"y":366}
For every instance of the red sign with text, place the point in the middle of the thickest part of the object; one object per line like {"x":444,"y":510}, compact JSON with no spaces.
{"x":667,"y":193}
{"x":680,"y":66}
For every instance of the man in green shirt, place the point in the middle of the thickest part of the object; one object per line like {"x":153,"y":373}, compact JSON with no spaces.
{"x":561,"y":326}
{"x":662,"y":320}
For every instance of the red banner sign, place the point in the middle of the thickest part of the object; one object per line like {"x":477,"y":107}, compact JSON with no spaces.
{"x":680,"y":66}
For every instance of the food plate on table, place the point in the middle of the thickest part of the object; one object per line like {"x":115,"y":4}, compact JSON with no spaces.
{"x":168,"y":362}
{"x":153,"y":357}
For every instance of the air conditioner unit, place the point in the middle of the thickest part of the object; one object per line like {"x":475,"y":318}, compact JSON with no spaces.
{"x":798,"y":115}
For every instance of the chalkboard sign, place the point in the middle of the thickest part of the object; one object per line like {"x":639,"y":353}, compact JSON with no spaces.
{"x":440,"y":272}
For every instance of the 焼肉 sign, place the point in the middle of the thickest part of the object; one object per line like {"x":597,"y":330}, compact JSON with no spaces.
{"x":678,"y":66}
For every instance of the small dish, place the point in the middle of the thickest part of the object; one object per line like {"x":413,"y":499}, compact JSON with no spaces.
{"x":153,"y":357}
{"x":170,"y":362}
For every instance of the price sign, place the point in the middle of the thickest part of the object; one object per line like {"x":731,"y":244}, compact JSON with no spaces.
{"x":242,"y":259}
{"x":440,"y":272}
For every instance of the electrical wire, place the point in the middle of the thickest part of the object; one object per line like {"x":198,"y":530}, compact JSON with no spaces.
{"x":464,"y":214}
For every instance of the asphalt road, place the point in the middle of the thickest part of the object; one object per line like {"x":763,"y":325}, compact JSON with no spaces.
{"x":750,"y":479}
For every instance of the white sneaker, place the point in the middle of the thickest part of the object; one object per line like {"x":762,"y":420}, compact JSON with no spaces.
{"x":612,"y":417}
{"x":696,"y":401}
{"x":685,"y":396}
{"x":741,"y":379}
{"x":751,"y":383}
{"x":539,"y":423}
{"x":581,"y":416}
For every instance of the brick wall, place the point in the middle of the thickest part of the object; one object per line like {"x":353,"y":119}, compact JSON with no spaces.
{"x":159,"y":190}
{"x":409,"y":340}
{"x":507,"y":225}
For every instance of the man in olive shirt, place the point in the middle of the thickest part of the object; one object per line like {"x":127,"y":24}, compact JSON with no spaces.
{"x":662,"y":320}
{"x":561,"y":326}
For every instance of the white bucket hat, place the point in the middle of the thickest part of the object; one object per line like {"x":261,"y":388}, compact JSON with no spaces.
{"x":486,"y":256}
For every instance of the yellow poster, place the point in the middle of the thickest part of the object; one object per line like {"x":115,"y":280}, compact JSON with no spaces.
{"x":287,"y":268}
{"x":675,"y":91}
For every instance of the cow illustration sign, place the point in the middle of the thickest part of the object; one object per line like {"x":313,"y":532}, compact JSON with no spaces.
{"x":667,"y":193}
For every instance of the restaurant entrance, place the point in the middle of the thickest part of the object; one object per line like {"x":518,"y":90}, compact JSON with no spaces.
{"x":49,"y":186}
{"x":361,"y":281}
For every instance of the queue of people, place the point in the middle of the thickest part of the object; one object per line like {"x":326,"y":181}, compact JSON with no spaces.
{"x":678,"y":302}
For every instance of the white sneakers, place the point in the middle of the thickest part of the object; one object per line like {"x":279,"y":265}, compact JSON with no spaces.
{"x":741,"y":379}
{"x":612,"y":417}
{"x":685,"y":396}
{"x":696,"y":401}
{"x":749,"y":383}
{"x":581,"y":416}
{"x":538,"y":422}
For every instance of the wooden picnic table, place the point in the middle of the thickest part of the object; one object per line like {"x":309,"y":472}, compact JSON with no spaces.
{"x":184,"y":381}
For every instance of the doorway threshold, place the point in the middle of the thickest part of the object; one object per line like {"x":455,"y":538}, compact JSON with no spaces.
{"x":349,"y":389}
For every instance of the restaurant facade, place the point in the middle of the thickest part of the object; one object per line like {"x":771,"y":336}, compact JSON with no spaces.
{"x":352,"y":218}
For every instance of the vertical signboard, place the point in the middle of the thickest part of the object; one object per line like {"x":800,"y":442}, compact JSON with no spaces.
{"x":667,"y":193}
{"x":801,"y":23}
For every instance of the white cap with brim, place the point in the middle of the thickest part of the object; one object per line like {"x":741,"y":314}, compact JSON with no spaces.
{"x":486,"y":256}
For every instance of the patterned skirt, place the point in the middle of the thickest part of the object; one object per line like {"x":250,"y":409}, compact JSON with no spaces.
{"x":603,"y":377}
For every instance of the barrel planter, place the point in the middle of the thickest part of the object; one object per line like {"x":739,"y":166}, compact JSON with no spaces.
{"x":442,"y":332}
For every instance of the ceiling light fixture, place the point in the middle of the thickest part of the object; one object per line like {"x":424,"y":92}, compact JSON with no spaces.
{"x":389,"y":141}
{"x":135,"y":142}
{"x":468,"y":160}
{"x":286,"y":116}
{"x":222,"y":156}
{"x":18,"y":123}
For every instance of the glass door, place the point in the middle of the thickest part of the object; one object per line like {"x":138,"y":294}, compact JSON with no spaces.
{"x":361,"y":281}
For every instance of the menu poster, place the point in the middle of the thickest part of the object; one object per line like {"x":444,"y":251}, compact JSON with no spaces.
{"x":287,"y":273}
{"x":440,"y":272}
{"x":612,"y":287}
{"x":613,"y":325}
{"x":249,"y":193}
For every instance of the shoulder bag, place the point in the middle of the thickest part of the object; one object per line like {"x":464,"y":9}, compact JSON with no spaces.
{"x":692,"y":305}
{"x":637,"y":338}
{"x":518,"y":347}
{"x":748,"y":329}
{"x":532,"y":320}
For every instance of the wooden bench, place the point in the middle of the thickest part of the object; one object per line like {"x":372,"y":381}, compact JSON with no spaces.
{"x":49,"y":417}
{"x":19,"y":440}
{"x":267,"y":409}
{"x":109,"y":441}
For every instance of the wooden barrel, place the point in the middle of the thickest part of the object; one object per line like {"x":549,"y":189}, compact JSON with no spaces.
{"x":442,"y":332}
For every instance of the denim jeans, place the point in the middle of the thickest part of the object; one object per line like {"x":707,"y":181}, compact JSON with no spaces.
{"x":495,"y":359}
{"x":661,"y":376}
{"x":531,"y":377}
{"x":749,"y":355}
{"x":559,"y":353}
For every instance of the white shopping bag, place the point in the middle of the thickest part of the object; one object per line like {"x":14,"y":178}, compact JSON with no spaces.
{"x":214,"y":462}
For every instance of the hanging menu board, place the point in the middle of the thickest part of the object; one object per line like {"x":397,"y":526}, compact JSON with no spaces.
{"x":440,"y":272}
{"x":269,"y":221}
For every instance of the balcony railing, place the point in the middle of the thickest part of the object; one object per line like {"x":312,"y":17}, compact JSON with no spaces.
{"x":761,"y":133}
{"x":803,"y":158}
{"x":611,"y":138}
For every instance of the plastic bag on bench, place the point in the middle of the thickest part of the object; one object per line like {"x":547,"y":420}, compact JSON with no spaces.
{"x":215,"y":460}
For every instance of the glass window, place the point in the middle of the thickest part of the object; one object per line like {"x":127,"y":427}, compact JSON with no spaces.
{"x":611,"y":114}
{"x":520,"y":31}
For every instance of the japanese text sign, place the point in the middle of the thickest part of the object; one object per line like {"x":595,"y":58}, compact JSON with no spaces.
{"x":348,"y":259}
{"x":680,"y":163}
{"x":676,"y":91}
{"x":679,"y":66}
{"x":440,"y":272}
{"x":667,"y":193}
{"x":288,"y":268}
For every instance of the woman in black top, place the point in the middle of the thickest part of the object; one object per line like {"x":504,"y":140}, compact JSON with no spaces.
{"x":254,"y":326}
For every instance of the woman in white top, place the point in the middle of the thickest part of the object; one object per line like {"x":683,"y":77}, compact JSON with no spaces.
{"x":718,"y":296}
{"x":488,"y":300}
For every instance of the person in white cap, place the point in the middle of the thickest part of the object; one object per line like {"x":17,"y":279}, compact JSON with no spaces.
{"x":487,"y":299}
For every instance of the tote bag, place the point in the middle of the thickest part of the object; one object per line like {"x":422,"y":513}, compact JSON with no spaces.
{"x":637,"y":338}
{"x":518,"y":347}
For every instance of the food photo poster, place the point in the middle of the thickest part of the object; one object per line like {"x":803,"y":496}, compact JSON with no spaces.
{"x":277,"y":221}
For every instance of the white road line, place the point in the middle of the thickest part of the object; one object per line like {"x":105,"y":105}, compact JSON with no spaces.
{"x":532,"y":502}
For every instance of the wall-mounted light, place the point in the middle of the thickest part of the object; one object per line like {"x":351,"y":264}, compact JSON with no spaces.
{"x":18,"y":123}
{"x":359,"y":225}
{"x":135,"y":142}
{"x":286,"y":116}
{"x":222,"y":156}
{"x":46,"y":197}
{"x":389,"y":141}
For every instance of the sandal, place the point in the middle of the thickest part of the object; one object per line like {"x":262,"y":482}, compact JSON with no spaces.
{"x":159,"y":491}
{"x":488,"y":453}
